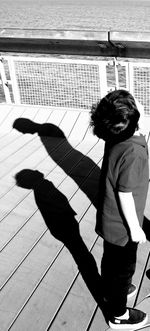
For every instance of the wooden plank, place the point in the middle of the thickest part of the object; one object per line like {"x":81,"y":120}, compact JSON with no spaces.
{"x":14,"y":146}
{"x":19,"y":156}
{"x":13,"y":197}
{"x":52,"y":290}
{"x":14,"y":113}
{"x":17,"y":250}
{"x":11,"y":248}
{"x":8,"y":138}
{"x":56,"y":280}
{"x":80,"y":128}
{"x":81,"y":200}
{"x":61,"y":118}
{"x":20,"y":286}
{"x":9,"y":202}
{"x":42,"y":115}
{"x":4,"y":111}
{"x":23,"y":213}
{"x":56,"y":117}
{"x":75,"y":312}
{"x":77,"y":177}
{"x":90,"y":136}
{"x":29,"y":112}
{"x":73,"y":156}
{"x":145,"y":285}
{"x":72,"y":165}
{"x":98,"y":322}
{"x":143,"y":251}
{"x":33,"y":160}
{"x":14,"y":219}
{"x":68,"y":122}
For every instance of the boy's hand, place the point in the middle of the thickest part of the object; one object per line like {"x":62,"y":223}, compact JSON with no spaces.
{"x":129,"y":211}
{"x":138,"y":235}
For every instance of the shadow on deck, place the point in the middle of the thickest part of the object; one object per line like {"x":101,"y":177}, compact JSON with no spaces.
{"x":49,"y":251}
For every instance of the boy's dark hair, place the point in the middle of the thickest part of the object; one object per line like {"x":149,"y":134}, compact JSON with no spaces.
{"x":115,"y":117}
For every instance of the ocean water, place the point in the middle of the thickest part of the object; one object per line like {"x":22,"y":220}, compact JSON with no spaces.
{"x":121,"y":15}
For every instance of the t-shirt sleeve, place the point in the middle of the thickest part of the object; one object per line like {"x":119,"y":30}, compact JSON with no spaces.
{"x":129,"y":173}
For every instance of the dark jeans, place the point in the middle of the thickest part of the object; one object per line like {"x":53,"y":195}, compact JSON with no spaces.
{"x":117,"y":268}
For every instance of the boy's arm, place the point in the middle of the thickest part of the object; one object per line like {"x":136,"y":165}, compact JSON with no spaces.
{"x":129,"y":211}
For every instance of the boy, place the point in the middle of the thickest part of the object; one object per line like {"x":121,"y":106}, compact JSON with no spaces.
{"x":122,"y":196}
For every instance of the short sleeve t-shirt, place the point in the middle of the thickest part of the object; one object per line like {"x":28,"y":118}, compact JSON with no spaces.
{"x":124,"y":168}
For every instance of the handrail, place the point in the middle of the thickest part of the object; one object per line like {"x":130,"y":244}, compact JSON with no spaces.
{"x":75,"y":42}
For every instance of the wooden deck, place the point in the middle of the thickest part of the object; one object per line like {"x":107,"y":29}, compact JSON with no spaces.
{"x":48,"y":246}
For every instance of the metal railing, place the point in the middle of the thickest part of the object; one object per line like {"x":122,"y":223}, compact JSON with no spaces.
{"x":53,"y":82}
{"x":72,"y":83}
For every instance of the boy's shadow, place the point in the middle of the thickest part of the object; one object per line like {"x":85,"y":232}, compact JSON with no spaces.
{"x":60,"y":220}
{"x":75,"y":164}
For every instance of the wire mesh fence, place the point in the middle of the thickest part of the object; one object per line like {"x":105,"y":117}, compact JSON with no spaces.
{"x":71,"y":83}
{"x":140,"y":84}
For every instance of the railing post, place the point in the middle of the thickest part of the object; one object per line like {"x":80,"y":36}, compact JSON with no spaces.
{"x":120,"y":64}
{"x":130,"y":75}
{"x":4,"y":82}
{"x":14,"y":82}
{"x":127,"y":76}
{"x":103,"y":78}
{"x":116,"y":74}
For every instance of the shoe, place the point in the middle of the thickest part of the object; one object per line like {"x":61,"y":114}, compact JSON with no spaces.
{"x":137,"y":319}
{"x":131,"y":291}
